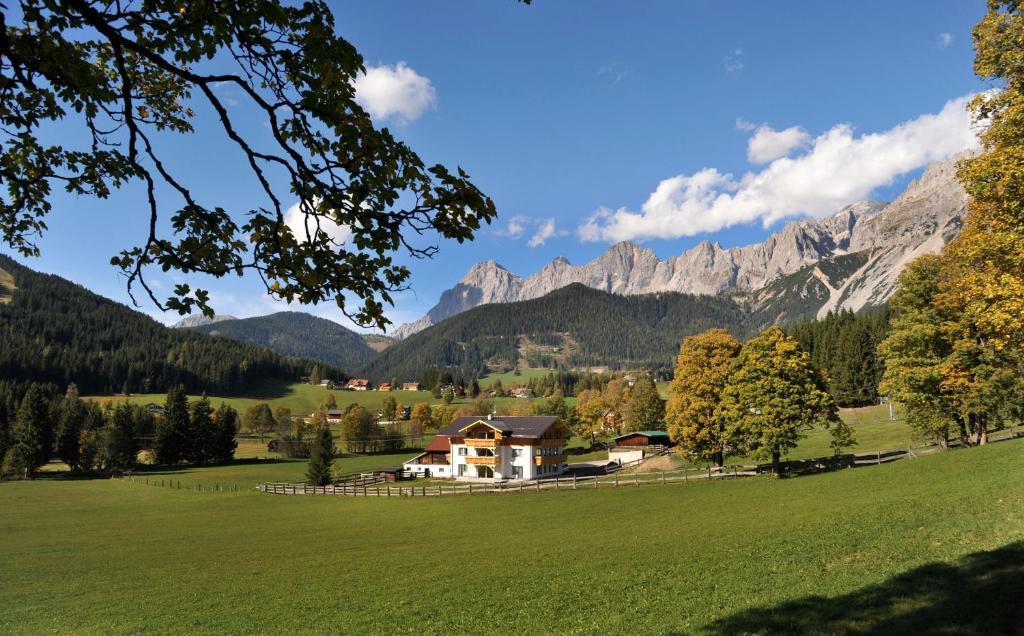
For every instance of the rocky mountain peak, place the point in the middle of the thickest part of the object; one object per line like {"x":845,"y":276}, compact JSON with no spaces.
{"x":887,"y":236}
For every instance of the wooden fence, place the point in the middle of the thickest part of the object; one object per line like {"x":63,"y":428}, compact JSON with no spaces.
{"x":615,"y":479}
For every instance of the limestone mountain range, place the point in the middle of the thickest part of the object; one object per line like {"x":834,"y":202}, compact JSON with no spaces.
{"x":851,"y":260}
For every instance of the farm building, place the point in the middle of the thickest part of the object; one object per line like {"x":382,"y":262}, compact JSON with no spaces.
{"x":487,"y":447}
{"x":334,"y":415}
{"x":632,"y":447}
{"x":522,"y":392}
{"x":434,"y":460}
{"x":411,"y":386}
{"x":643,"y":438}
{"x":358,"y":384}
{"x":384,"y":386}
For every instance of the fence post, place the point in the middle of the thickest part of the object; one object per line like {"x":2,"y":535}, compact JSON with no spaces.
{"x":636,"y":479}
{"x":709,"y":472}
{"x":616,"y":480}
{"x":686,"y":474}
{"x":574,"y":481}
{"x":521,"y":486}
{"x":556,"y":483}
{"x":471,"y":488}
{"x":662,"y":478}
{"x":878,"y":457}
{"x":538,"y":485}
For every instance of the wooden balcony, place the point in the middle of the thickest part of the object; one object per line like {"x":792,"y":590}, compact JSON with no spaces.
{"x":488,"y":460}
{"x":552,"y":442}
{"x":476,"y":442}
{"x":540,"y":460}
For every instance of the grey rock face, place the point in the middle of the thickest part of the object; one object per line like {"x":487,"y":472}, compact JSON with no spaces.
{"x":198,"y":320}
{"x":923,"y":219}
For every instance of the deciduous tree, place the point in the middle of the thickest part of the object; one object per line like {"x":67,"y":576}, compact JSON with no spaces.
{"x":133,"y":75}
{"x":645,"y":410}
{"x":702,"y":372}
{"x":774,"y":394}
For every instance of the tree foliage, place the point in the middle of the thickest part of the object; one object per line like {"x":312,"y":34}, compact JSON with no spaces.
{"x":702,"y":372}
{"x":645,"y":410}
{"x":321,"y":458}
{"x":172,"y":443}
{"x":773,"y":395}
{"x":31,"y":435}
{"x":133,"y":73}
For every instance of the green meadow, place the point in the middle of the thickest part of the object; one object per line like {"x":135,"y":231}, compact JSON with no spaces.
{"x":935,"y":544}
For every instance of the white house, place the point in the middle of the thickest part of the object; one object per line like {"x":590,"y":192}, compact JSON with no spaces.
{"x":491,"y":447}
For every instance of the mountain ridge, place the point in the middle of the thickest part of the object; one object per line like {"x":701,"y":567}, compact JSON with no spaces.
{"x":922,"y":219}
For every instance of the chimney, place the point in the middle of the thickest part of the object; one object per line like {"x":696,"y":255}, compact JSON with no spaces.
{"x":488,"y":417}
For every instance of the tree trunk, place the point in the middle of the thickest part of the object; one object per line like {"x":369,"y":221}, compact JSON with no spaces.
{"x":719,"y":459}
{"x":776,"y":462}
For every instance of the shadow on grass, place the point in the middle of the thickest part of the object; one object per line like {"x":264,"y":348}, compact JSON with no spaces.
{"x":980,"y":594}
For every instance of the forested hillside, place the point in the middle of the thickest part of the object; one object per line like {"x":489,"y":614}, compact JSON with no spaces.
{"x":54,"y":331}
{"x":846,"y":346}
{"x":297,"y":334}
{"x":575,"y":326}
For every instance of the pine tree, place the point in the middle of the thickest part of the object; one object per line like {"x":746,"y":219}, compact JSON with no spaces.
{"x":31,"y":435}
{"x":69,"y":428}
{"x":120,"y":448}
{"x":316,"y":375}
{"x":171,"y":443}
{"x":225,"y":429}
{"x":774,"y":394}
{"x":321,"y":458}
{"x":202,"y":431}
{"x":701,"y":374}
{"x":474,"y":388}
{"x":645,"y":410}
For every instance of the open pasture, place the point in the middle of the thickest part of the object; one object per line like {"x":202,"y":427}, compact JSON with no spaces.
{"x":853,"y":550}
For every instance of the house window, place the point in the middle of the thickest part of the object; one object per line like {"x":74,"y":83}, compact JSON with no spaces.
{"x":517,"y":452}
{"x":462,"y":470}
{"x":517,"y":472}
{"x":462,"y":451}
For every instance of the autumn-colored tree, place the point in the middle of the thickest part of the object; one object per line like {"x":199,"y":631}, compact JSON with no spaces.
{"x":615,"y":397}
{"x":590,"y":413}
{"x":989,"y":253}
{"x":774,"y":394}
{"x":390,"y":409}
{"x":702,"y":371}
{"x":329,"y":403}
{"x":319,"y":421}
{"x":645,"y":410}
{"x":422,"y":416}
{"x":355,"y":429}
{"x":259,"y":419}
{"x":447,"y":395}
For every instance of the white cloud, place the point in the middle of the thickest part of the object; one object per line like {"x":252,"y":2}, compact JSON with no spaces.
{"x":394,"y":92}
{"x":839,"y":168}
{"x":546,"y":230}
{"x":516,"y":227}
{"x":300,"y":224}
{"x":733,"y":62}
{"x":744,"y":125}
{"x":767,"y":144}
{"x":945,"y":39}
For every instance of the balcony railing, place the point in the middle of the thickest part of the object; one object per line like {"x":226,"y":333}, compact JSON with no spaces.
{"x":481,"y":460}
{"x":540,"y":460}
{"x":477,"y":442}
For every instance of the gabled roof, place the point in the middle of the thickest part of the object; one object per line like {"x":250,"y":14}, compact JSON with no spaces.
{"x":438,"y":444}
{"x":514,"y":426}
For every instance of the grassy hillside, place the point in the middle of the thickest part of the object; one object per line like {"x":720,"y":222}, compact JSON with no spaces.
{"x":300,"y":335}
{"x":301,"y":398}
{"x":929,"y":545}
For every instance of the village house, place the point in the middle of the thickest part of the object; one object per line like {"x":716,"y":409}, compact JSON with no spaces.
{"x":384,"y":386}
{"x":521,"y":392}
{"x":334,"y":415}
{"x":358,"y":384}
{"x":496,"y":447}
{"x":411,"y":386}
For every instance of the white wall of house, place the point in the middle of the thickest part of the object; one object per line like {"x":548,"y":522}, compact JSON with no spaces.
{"x":436,"y":470}
{"x":510,"y":458}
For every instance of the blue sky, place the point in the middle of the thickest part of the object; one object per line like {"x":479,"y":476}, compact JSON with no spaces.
{"x":561,"y":110}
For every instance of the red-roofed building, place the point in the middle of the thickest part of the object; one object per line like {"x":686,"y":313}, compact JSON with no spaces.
{"x":434,"y":460}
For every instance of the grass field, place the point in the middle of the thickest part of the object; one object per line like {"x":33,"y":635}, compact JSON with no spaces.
{"x":929,"y":545}
{"x":302,"y":399}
